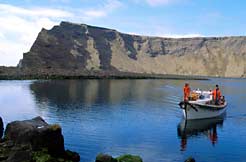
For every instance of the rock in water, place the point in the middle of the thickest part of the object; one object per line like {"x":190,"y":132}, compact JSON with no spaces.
{"x":190,"y":159}
{"x":105,"y":158}
{"x":38,"y":134}
{"x":34,"y":140}
{"x":1,"y":127}
{"x":123,"y":158}
{"x":129,"y":158}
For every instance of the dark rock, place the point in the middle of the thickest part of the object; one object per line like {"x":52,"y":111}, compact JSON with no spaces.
{"x":18,"y":154}
{"x":34,"y":140}
{"x":44,"y":156}
{"x":73,"y":156}
{"x":123,"y":158}
{"x":105,"y":158}
{"x":129,"y":158}
{"x":38,"y":134}
{"x":1,"y":127}
{"x":190,"y":159}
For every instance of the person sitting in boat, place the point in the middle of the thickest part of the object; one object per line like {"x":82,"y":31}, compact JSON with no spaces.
{"x":222,"y":100}
{"x":216,"y":95}
{"x":186,"y":92}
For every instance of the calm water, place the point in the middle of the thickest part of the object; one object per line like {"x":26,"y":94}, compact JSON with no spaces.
{"x":131,"y":116}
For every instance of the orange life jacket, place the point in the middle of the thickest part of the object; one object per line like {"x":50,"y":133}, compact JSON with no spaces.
{"x":186,"y":92}
{"x":216,"y":94}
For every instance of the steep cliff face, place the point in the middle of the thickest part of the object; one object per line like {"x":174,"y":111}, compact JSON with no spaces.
{"x":75,"y":47}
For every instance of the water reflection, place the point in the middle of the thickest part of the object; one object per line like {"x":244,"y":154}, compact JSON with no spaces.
{"x":130,"y":116}
{"x":110,"y":115}
{"x":89,"y":92}
{"x":196,"y":128}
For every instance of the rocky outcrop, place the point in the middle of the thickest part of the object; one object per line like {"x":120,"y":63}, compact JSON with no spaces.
{"x":129,"y":158}
{"x":122,"y":158}
{"x":105,"y":158}
{"x":34,"y":140}
{"x":36,"y":133}
{"x":83,"y":49}
{"x":190,"y":159}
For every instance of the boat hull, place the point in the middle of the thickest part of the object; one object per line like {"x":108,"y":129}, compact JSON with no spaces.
{"x":188,"y":128}
{"x":204,"y":111}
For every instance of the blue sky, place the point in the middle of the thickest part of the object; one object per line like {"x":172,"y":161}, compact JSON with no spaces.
{"x":22,"y":20}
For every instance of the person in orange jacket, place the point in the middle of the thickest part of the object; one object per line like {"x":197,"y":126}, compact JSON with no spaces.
{"x":186,"y":92}
{"x":216,"y":95}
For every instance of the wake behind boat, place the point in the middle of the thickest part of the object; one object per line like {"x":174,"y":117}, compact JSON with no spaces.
{"x":201,"y":105}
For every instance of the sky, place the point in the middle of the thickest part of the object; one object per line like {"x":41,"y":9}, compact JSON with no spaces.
{"x":21,"y":20}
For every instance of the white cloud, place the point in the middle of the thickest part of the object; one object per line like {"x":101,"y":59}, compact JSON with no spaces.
{"x":44,"y":12}
{"x":182,"y":35}
{"x":95,"y":13}
{"x":2,"y":36}
{"x":62,"y":1}
{"x":111,"y":5}
{"x":160,"y":30}
{"x":155,"y":3}
{"x":8,"y":52}
{"x":102,"y":10}
{"x":172,"y":35}
{"x":20,"y":26}
{"x":158,"y":2}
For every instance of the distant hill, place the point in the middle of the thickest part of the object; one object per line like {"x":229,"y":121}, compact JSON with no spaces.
{"x":80,"y":48}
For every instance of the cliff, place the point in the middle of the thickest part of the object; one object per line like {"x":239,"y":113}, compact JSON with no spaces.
{"x":82,"y":49}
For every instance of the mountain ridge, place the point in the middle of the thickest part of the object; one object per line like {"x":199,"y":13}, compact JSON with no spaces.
{"x":82,"y":48}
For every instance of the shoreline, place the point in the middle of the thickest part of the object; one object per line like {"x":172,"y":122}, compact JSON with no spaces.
{"x":17,"y":73}
{"x":58,"y":77}
{"x":14,"y":73}
{"x":113,"y":76}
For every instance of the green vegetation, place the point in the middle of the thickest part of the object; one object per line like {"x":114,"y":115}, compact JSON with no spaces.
{"x":55,"y":127}
{"x":41,"y":156}
{"x":123,"y":158}
{"x":44,"y":156}
{"x":129,"y":158}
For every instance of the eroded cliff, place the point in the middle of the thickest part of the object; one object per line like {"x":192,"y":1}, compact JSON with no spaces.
{"x":82,"y":48}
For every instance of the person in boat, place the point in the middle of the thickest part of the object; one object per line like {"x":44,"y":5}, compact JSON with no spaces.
{"x":186,"y":92}
{"x":216,"y":95}
{"x":222,"y":100}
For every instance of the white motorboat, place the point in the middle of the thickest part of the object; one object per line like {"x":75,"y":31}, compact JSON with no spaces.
{"x":202,"y":106}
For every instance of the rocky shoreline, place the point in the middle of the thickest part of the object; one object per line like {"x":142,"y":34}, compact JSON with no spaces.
{"x":123,"y":158}
{"x":37,"y":141}
{"x":34,"y":140}
{"x":15,"y":73}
